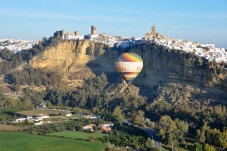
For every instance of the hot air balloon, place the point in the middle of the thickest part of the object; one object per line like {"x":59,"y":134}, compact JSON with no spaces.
{"x":129,"y":65}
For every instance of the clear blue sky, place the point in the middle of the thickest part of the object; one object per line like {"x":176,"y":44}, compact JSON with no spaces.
{"x":194,"y":20}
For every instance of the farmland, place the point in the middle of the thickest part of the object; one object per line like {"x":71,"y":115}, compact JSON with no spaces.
{"x":28,"y":142}
{"x":10,"y":128}
{"x":77,"y":135}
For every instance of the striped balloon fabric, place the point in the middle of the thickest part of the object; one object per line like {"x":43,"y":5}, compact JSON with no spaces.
{"x":129,"y":65}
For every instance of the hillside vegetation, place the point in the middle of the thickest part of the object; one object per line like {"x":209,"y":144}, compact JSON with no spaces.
{"x":178,"y":94}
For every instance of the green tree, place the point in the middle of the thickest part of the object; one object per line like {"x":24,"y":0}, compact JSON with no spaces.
{"x":223,"y":139}
{"x":118,"y":113}
{"x":76,"y":110}
{"x":83,"y":101}
{"x":200,"y":135}
{"x":212,"y":136}
{"x":48,"y":104}
{"x":167,"y":128}
{"x":149,"y":144}
{"x":172,"y":131}
{"x":138,"y":118}
{"x":181,"y":131}
{"x":208,"y":147}
{"x":88,"y":51}
{"x":27,"y":104}
{"x":6,"y":54}
{"x":198,"y":147}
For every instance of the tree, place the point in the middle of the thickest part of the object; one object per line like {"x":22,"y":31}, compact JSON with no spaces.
{"x":6,"y":54}
{"x":212,"y":136}
{"x":26,"y":104}
{"x":208,"y":147}
{"x":200,"y":135}
{"x":88,"y":51}
{"x":83,"y":101}
{"x":223,"y":139}
{"x":167,"y":128}
{"x":48,"y":104}
{"x":149,"y":144}
{"x":172,"y":131}
{"x":198,"y":147}
{"x":118,"y":113}
{"x":138,"y":118}
{"x":76,"y":110}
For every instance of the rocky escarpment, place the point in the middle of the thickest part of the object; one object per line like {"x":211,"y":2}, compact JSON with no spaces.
{"x":163,"y":64}
{"x":66,"y":55}
{"x":86,"y":58}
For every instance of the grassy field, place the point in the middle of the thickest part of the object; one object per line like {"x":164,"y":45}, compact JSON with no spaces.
{"x":10,"y":128}
{"x":11,"y":141}
{"x":75,"y":116}
{"x":77,"y":135}
{"x":35,"y":112}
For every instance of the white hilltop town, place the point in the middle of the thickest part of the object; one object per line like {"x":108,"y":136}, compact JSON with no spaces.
{"x":16,"y":45}
{"x":208,"y":51}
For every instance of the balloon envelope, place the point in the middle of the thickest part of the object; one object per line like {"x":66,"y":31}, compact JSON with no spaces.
{"x":129,"y":65}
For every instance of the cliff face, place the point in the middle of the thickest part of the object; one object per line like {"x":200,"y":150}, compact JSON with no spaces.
{"x":83,"y":59}
{"x":54,"y":57}
{"x":162,"y":64}
{"x":67,"y":54}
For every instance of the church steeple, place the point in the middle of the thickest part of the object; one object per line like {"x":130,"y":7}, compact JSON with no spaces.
{"x":153,"y":30}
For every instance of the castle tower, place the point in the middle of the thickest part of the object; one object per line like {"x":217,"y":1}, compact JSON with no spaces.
{"x":63,"y":32}
{"x":77,"y":33}
{"x":93,"y":30}
{"x":153,"y":30}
